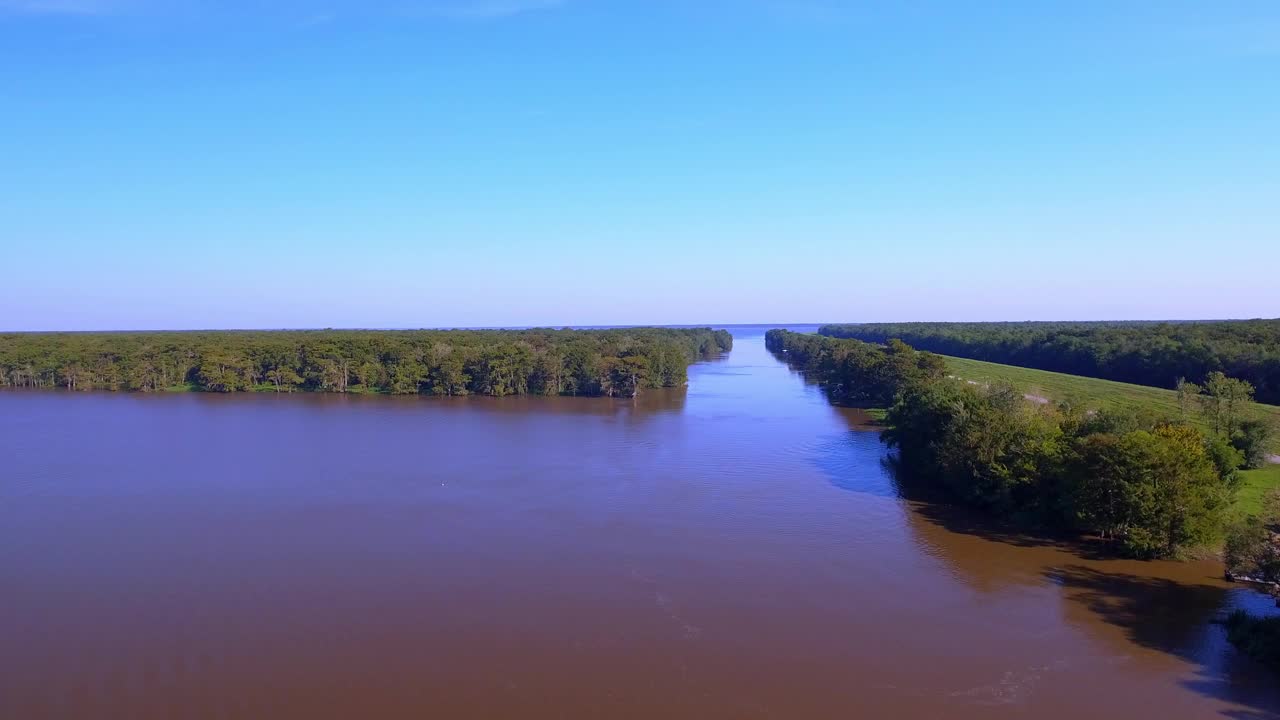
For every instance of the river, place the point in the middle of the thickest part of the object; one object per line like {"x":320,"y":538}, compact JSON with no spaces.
{"x":736,"y":550}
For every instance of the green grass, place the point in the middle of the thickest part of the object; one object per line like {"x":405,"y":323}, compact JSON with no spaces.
{"x":1106,"y":394}
{"x":1093,"y":393}
{"x":1255,"y":483}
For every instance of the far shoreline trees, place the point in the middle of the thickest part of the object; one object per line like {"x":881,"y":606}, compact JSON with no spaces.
{"x":1143,"y":353}
{"x":614,"y":362}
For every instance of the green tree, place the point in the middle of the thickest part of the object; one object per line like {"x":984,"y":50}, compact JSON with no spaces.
{"x":407,"y":377}
{"x":1224,"y":399}
{"x":628,"y":375}
{"x":1188,"y":392}
{"x":285,"y":378}
{"x":1226,"y":459}
{"x":223,"y":373}
{"x":1252,"y":438}
{"x":1155,"y":491}
{"x":370,"y":374}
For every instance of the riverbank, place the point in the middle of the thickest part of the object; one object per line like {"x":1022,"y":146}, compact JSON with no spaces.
{"x":982,"y":443}
{"x":1092,"y":393}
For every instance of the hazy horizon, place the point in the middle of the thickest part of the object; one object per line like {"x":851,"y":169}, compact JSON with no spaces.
{"x":574,"y":326}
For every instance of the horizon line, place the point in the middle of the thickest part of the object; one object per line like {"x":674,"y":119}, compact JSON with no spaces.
{"x":439,"y":328}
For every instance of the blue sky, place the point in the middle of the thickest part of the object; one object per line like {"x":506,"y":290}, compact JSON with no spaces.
{"x":189,"y":163}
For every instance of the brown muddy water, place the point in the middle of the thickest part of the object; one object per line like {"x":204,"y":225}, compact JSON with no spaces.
{"x":738,"y":550}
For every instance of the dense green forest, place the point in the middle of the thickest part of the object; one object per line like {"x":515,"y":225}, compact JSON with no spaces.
{"x":1144,"y":353}
{"x":1153,"y":486}
{"x":614,"y":362}
{"x":854,"y":373}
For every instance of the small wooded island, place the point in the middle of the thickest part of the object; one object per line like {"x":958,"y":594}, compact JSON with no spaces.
{"x":608,"y":362}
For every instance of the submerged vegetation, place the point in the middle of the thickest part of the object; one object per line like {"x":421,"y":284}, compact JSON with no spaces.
{"x":1258,"y":637}
{"x":1153,"y":486}
{"x":614,"y":362}
{"x":1145,"y":353}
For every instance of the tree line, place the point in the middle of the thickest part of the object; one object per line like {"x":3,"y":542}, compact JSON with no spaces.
{"x":613,"y":362}
{"x":1143,"y":353}
{"x":856,"y":374}
{"x":1152,"y":486}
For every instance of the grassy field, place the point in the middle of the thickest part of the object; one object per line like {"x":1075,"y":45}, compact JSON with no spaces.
{"x":1094,"y":393}
{"x":1256,"y":483}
